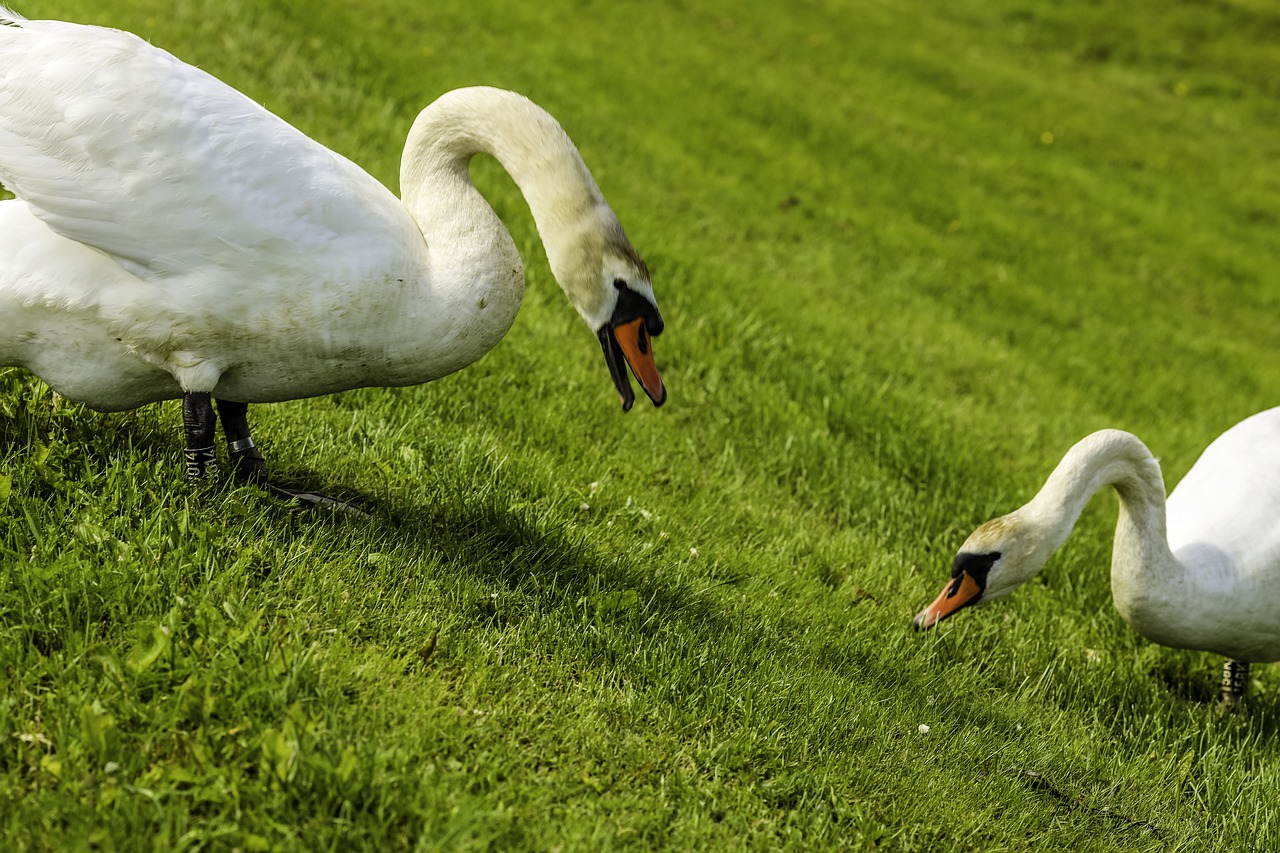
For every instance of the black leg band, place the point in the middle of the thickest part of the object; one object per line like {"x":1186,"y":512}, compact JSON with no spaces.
{"x":202,"y":463}
{"x":200,"y":426}
{"x":1235,"y":681}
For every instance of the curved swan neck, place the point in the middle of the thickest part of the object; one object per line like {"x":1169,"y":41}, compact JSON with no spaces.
{"x":1119,"y":459}
{"x":528,"y":143}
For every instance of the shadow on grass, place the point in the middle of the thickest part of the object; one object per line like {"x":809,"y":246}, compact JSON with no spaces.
{"x":467,"y":534}
{"x":548,"y":564}
{"x":552,"y":565}
{"x":32,"y":417}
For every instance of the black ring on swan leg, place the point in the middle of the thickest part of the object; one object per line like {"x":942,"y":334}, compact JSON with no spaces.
{"x":1235,"y":681}
{"x":200,"y":425}
{"x":247,"y":463}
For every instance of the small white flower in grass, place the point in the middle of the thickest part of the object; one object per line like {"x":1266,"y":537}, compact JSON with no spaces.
{"x":1092,"y":656}
{"x":693,"y":552}
{"x":923,"y":729}
{"x":583,"y":507}
{"x":593,"y":487}
{"x":1019,"y":727}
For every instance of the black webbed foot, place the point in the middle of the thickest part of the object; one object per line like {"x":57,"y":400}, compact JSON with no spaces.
{"x":248,"y":466}
{"x":314,"y":500}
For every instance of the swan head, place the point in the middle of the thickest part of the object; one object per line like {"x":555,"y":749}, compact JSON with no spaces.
{"x":608,"y":282}
{"x":998,"y":557}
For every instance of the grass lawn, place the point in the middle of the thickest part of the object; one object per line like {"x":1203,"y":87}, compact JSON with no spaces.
{"x":907,"y":254}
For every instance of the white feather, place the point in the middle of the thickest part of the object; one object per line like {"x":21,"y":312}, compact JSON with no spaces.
{"x":170,"y":235}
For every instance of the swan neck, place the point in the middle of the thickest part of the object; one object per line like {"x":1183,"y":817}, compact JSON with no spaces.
{"x":528,"y":143}
{"x":1110,"y":458}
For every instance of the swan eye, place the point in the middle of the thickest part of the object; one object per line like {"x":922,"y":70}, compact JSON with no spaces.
{"x":977,"y":566}
{"x":632,"y":305}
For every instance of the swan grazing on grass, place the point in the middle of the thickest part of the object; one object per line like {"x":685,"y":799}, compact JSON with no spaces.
{"x":1211,"y":582}
{"x":171,"y":238}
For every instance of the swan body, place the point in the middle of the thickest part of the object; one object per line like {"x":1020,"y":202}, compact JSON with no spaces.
{"x":1198,"y":571}
{"x":171,"y":237}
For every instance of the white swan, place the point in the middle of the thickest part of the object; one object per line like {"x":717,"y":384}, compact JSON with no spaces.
{"x":172,"y":238}
{"x":1211,"y":582}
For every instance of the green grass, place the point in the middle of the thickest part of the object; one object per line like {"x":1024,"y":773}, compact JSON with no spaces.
{"x":907,"y":254}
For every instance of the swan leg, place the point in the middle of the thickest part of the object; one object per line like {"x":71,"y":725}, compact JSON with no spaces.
{"x":200,"y":422}
{"x":247,"y":464}
{"x":1235,"y":682}
{"x":200,"y":426}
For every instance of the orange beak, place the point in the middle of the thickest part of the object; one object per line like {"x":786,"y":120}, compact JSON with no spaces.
{"x":637,"y":347}
{"x":960,"y":591}
{"x":631,"y":342}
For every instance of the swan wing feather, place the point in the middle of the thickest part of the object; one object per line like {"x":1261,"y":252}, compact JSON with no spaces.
{"x":120,"y":146}
{"x":1226,"y":510}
